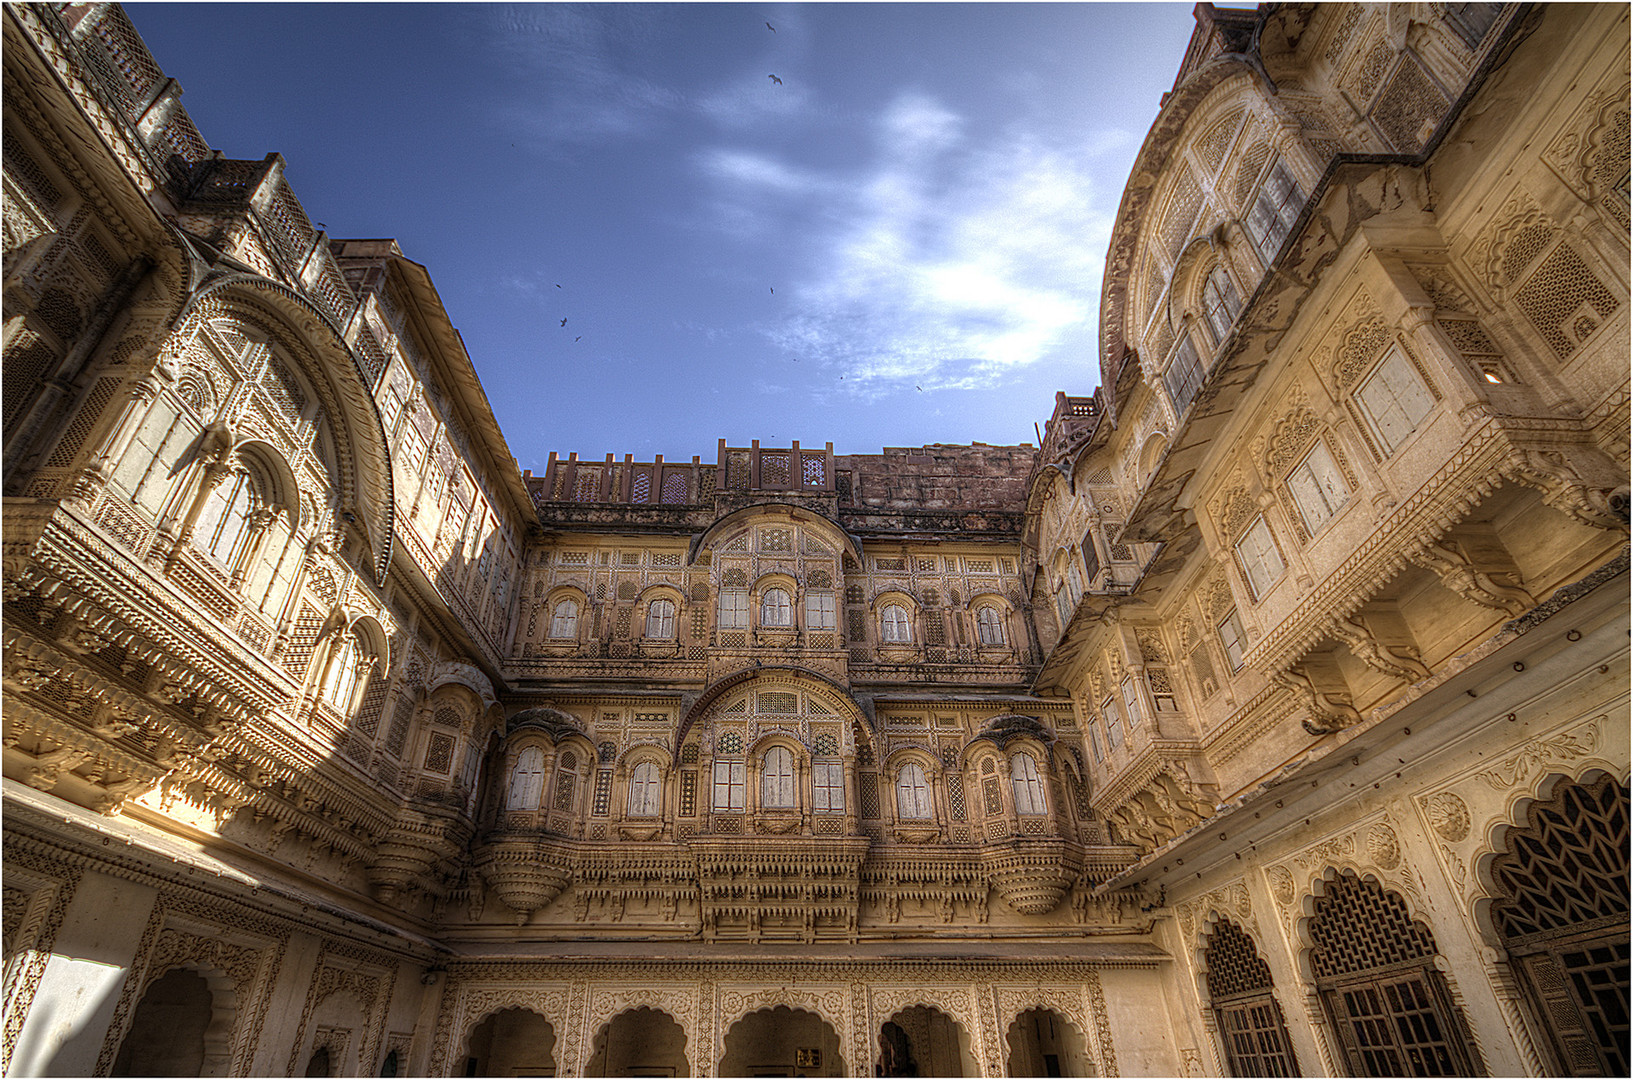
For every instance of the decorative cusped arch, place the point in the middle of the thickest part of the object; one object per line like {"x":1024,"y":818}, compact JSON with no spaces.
{"x":471,"y":1005}
{"x":314,"y":343}
{"x":218,"y":1033}
{"x":674,"y":1003}
{"x":453,"y":672}
{"x":828,"y":1005}
{"x":1083,"y":1008}
{"x":852,"y":711}
{"x":1514,"y":817}
{"x":727,"y":526}
{"x":1315,"y":889}
{"x":283,"y":490}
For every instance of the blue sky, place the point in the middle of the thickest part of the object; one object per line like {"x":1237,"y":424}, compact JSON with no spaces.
{"x":900,"y":243}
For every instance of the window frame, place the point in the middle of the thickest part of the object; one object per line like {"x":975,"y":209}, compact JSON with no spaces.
{"x":559,"y":622}
{"x":989,"y":618}
{"x":645,"y":780}
{"x":828,"y":787}
{"x":1394,"y":359}
{"x":1317,"y":485}
{"x":536,"y":783}
{"x":339,"y":687}
{"x":1234,"y":621}
{"x":912,"y":781}
{"x":895,"y":629}
{"x":1030,"y":781}
{"x":781,"y":610}
{"x":1113,"y":719}
{"x":1218,"y":294}
{"x":1257,"y":587}
{"x":737,"y":610}
{"x":237,"y":507}
{"x":784,"y":772}
{"x":1131,"y":701}
{"x":1184,"y":363}
{"x":660,"y":623}
{"x":821,"y":610}
{"x":1282,"y":210}
{"x":733,"y":784}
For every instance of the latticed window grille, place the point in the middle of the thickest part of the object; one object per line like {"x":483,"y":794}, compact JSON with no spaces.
{"x":1563,"y":914}
{"x":774,"y":470}
{"x":1375,"y":973}
{"x":674,"y":488}
{"x":1250,"y":1020}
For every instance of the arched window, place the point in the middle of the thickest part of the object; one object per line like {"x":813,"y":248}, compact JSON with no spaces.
{"x":341,"y":678}
{"x":895,"y":625}
{"x":775,"y":608}
{"x":989,"y":625}
{"x":913,"y":794}
{"x":224,"y":521}
{"x":1384,"y":994}
{"x":1220,"y":304}
{"x":1023,"y":778}
{"x":777,"y":779}
{"x":645,"y":791}
{"x":526,"y":780}
{"x":1561,"y":909}
{"x":660,"y":619}
{"x":564,"y":619}
{"x":1250,"y":1020}
{"x":1275,"y":208}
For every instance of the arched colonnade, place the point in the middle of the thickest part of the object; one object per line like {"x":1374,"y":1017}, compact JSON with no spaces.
{"x":658,"y":1031}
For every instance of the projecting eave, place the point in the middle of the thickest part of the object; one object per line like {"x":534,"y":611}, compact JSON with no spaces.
{"x":1094,"y":610}
{"x":1571,"y":636}
{"x":453,"y":364}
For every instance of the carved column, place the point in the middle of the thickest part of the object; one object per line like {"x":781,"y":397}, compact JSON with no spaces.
{"x":215,"y":472}
{"x":98,"y":470}
{"x":260,"y":524}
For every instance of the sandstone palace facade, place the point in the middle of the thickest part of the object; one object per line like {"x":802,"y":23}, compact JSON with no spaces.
{"x":1270,"y":718}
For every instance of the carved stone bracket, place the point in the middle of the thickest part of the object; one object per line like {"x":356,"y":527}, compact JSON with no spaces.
{"x":1327,"y":710}
{"x":1398,"y":661}
{"x":1473,"y":583}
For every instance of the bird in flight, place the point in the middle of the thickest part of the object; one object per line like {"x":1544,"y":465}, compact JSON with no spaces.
{"x":920,"y":389}
{"x":774,"y":79}
{"x":557,"y":286}
{"x":773,"y":288}
{"x":771,"y":28}
{"x":579,"y":338}
{"x":564,"y":322}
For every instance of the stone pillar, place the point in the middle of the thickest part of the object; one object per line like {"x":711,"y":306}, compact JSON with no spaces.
{"x":93,"y":954}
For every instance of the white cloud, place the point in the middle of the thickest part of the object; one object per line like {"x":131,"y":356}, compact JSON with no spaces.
{"x":956,"y":262}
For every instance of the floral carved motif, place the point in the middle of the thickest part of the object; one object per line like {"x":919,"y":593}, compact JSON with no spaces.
{"x":1546,"y":752}
{"x":1448,"y":816}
